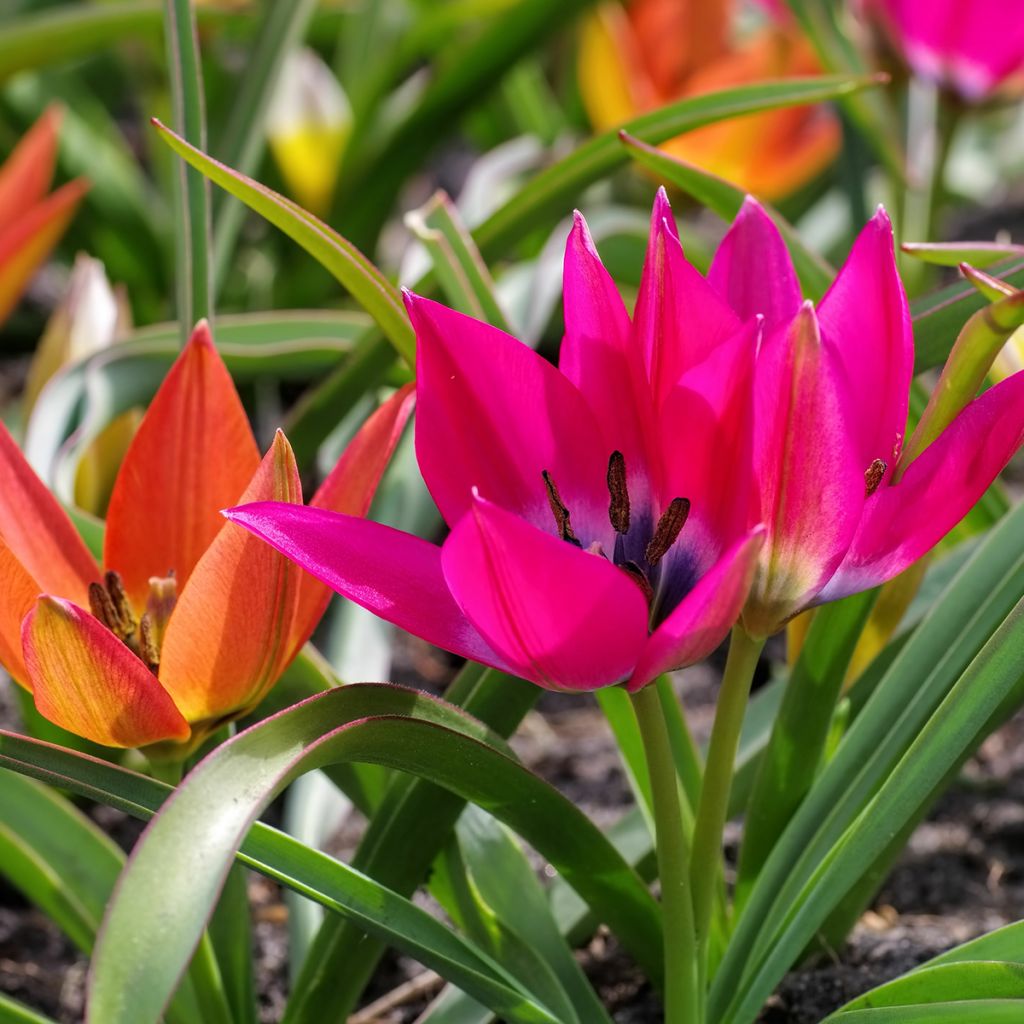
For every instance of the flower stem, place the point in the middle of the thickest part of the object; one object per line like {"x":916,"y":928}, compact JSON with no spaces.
{"x":744,"y":651}
{"x":681,"y":994}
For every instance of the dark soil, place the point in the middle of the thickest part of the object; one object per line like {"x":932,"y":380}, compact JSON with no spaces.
{"x":961,"y":875}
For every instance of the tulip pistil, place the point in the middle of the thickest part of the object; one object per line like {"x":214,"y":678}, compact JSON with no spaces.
{"x":109,"y":603}
{"x":560,"y":511}
{"x":873,"y":476}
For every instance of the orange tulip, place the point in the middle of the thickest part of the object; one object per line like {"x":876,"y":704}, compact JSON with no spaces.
{"x":658,"y":51}
{"x":31,"y":219}
{"x":193,"y":619}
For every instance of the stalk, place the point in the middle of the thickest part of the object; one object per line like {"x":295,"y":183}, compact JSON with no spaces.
{"x":682,"y":1000}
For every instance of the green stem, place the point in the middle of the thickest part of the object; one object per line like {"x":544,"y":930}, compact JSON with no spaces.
{"x":744,"y":651}
{"x":681,"y":974}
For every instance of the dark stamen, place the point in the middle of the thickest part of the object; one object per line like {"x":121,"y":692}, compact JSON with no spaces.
{"x":149,"y":649}
{"x":672,"y":520}
{"x":559,"y":510}
{"x":639,"y":577}
{"x":102,"y":607}
{"x":125,"y":620}
{"x":873,"y":476}
{"x":618,"y":510}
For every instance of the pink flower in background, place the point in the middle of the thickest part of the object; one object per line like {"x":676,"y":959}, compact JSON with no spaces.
{"x":844,"y":512}
{"x":974,"y":46}
{"x":599,"y":512}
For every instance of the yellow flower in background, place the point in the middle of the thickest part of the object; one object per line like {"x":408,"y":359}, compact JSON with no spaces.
{"x":308,"y":125}
{"x":653,"y":52}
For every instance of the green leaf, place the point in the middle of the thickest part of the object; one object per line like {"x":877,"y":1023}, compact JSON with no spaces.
{"x":56,"y":856}
{"x":182,"y":860}
{"x":952,"y":254}
{"x":945,"y":983}
{"x":13,"y":1012}
{"x":1006,"y":943}
{"x":332,"y":883}
{"x":924,"y":671}
{"x":552,"y":192}
{"x":725,"y":199}
{"x":192,"y":191}
{"x":987,"y":1011}
{"x":793,"y":754}
{"x":368,"y":286}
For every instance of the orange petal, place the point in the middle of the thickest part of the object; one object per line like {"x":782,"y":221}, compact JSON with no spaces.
{"x":193,"y":455}
{"x":229,"y":636}
{"x":350,"y":488}
{"x":37,"y":530}
{"x":86,"y":681}
{"x":26,"y":241}
{"x":20,"y":591}
{"x":26,"y":174}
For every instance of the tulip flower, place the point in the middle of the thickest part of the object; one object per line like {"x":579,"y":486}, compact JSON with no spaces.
{"x":658,"y":51}
{"x":32,"y":219}
{"x":844,"y":506}
{"x":598,"y":511}
{"x":191,"y":621}
{"x":973,"y":48}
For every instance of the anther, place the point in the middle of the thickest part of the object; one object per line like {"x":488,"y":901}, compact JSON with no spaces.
{"x":102,"y":607}
{"x":125,"y":620}
{"x":149,"y":648}
{"x":559,"y":510}
{"x":618,"y":509}
{"x":639,"y":577}
{"x":671,"y":523}
{"x":873,"y":476}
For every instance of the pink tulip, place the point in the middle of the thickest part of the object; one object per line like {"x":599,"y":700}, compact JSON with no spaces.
{"x":599,"y":512}
{"x":971,"y":46}
{"x":843,"y":511}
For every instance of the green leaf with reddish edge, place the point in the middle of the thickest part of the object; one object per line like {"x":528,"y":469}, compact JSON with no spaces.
{"x":952,"y":254}
{"x":181,"y":862}
{"x":792,"y":757}
{"x":552,"y":192}
{"x":725,"y":199}
{"x":406,"y":833}
{"x":367,"y":285}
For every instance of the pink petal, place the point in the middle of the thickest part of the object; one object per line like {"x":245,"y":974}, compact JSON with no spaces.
{"x":562,"y":617}
{"x":679,"y":317}
{"x":903,"y":521}
{"x":811,"y":480}
{"x":493,"y":414}
{"x":752,"y":269}
{"x":598,"y":355}
{"x":700,"y":622}
{"x":393,"y":574}
{"x":865,"y":324}
{"x":707,"y":421}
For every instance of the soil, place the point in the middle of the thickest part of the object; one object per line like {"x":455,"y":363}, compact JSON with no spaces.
{"x":961,"y":875}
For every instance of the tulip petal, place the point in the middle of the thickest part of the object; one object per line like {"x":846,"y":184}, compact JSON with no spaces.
{"x":395,"y":575}
{"x":38,"y":532}
{"x":231,"y":632}
{"x":752,"y":269}
{"x":87,"y":681}
{"x":865,"y":322}
{"x":598,"y":355}
{"x":560,"y":616}
{"x":701,"y":621}
{"x":20,"y":593}
{"x":26,"y":174}
{"x":903,"y":521}
{"x":679,"y":319}
{"x":194,"y":453}
{"x":349,"y":488}
{"x":493,"y":414}
{"x":26,"y":242}
{"x":707,"y":420}
{"x":811,"y":482}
